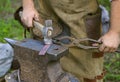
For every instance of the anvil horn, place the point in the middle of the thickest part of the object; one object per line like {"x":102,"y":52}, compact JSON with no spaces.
{"x":10,"y":41}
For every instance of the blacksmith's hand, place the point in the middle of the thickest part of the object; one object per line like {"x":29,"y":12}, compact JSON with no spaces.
{"x":28,"y":15}
{"x":110,"y":42}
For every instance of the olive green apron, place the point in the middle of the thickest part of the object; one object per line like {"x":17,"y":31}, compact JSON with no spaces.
{"x":83,"y":19}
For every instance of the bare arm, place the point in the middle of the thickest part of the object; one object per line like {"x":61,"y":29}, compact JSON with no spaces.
{"x":115,"y":16}
{"x":27,"y":4}
{"x":111,"y":40}
{"x":29,"y":13}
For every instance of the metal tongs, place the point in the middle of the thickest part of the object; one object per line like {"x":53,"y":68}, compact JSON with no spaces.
{"x":76,"y":42}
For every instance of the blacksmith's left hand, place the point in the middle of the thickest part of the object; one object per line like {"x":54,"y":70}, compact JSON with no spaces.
{"x":110,"y":42}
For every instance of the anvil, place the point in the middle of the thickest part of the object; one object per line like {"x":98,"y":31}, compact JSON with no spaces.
{"x":34,"y":66}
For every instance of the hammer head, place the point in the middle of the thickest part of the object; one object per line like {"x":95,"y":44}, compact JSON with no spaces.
{"x":47,"y":32}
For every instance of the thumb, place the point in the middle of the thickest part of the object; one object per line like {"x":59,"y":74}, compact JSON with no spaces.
{"x":36,"y":17}
{"x":100,"y":40}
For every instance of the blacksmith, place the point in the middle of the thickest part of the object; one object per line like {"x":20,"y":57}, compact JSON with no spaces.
{"x":84,"y":20}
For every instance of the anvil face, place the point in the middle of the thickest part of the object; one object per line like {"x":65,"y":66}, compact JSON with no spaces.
{"x":53,"y":53}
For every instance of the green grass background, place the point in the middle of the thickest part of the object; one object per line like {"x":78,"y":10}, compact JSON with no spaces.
{"x":8,"y":26}
{"x":12,"y":29}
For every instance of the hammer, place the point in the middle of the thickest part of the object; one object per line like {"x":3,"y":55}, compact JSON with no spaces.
{"x":46,"y":30}
{"x":46,"y":33}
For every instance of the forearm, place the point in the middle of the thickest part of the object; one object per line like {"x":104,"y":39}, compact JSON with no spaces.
{"x":27,"y":4}
{"x":115,"y":16}
{"x":29,"y":13}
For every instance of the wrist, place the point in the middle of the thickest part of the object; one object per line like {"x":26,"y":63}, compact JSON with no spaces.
{"x":28,"y":4}
{"x":114,"y":32}
{"x":27,"y":8}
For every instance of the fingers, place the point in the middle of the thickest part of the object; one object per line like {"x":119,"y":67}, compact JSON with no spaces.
{"x":27,"y":21}
{"x":100,"y":40}
{"x":28,"y":16}
{"x":95,"y":44}
{"x":113,"y":50}
{"x":107,"y":46}
{"x":104,"y":48}
{"x":110,"y":42}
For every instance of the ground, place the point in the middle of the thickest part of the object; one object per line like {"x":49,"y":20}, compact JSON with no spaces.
{"x":12,"y":29}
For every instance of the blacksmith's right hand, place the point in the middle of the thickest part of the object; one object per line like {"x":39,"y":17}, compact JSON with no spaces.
{"x":28,"y":15}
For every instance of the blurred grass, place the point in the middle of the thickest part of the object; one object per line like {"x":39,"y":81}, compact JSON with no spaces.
{"x":5,"y":5}
{"x":112,"y":65}
{"x":12,"y":29}
{"x":105,"y":3}
{"x":8,"y":26}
